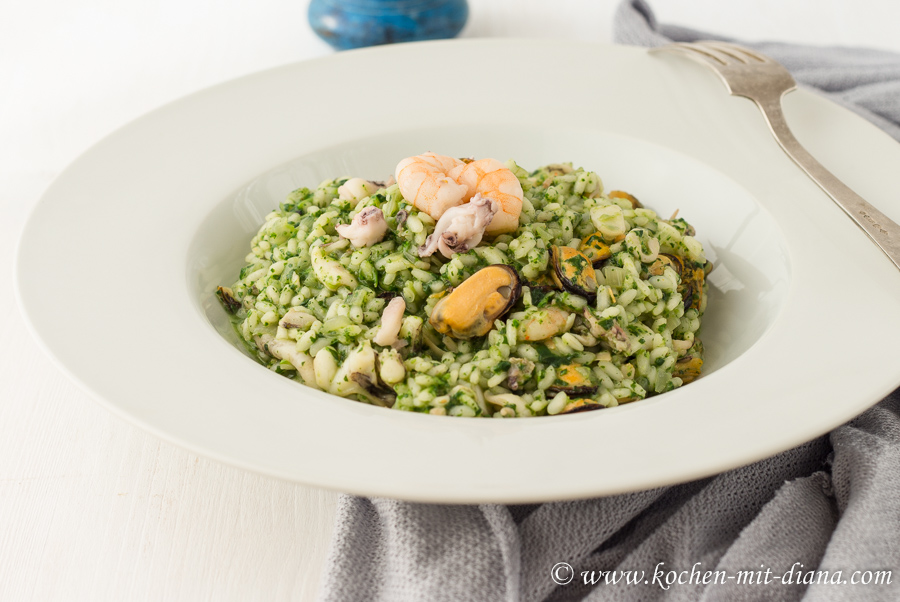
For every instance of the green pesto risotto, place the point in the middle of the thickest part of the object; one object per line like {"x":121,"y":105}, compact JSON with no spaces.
{"x":476,"y":289}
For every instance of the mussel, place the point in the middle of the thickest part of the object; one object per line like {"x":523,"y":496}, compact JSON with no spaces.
{"x":226,"y":296}
{"x":688,"y":368}
{"x":628,"y":399}
{"x":543,"y":282}
{"x":574,"y":379}
{"x":595,"y":249}
{"x":620,"y":194}
{"x":581,"y":405}
{"x":375,"y":391}
{"x":470,"y":309}
{"x":691,"y":285}
{"x":665,"y":260}
{"x":573,"y":271}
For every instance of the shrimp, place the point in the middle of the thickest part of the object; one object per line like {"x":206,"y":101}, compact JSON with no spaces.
{"x":493,"y":180}
{"x":426,"y":182}
{"x":435,"y":183}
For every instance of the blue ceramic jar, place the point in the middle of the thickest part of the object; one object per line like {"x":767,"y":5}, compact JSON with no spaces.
{"x":355,"y":23}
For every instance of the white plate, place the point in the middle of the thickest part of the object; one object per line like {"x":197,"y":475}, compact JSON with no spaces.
{"x":119,"y":260}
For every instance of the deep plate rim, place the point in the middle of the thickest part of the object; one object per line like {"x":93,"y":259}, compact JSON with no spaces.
{"x":26,"y":291}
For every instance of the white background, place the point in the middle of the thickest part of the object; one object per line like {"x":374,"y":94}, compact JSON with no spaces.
{"x":92,"y":508}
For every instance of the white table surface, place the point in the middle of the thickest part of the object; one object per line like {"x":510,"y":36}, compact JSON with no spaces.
{"x":92,"y":508}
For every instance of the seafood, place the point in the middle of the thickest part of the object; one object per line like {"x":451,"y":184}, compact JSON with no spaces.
{"x":435,"y":183}
{"x":574,"y":380}
{"x":665,"y":260}
{"x":690,"y":279}
{"x":643,"y":244}
{"x":492,"y":179}
{"x":391,"y":321}
{"x":377,"y":393}
{"x":390,"y":367}
{"x":538,"y":324}
{"x":573,"y":271}
{"x":581,"y":405}
{"x":609,"y":222}
{"x":428,"y":181}
{"x":356,"y":189}
{"x":607,"y":329}
{"x":287,"y":350}
{"x":688,"y":368}
{"x":519,"y":371}
{"x":226,"y":296}
{"x":367,"y":227}
{"x":461,"y":227}
{"x":692,"y":283}
{"x":328,"y":270}
{"x":297,"y":317}
{"x":471,"y":308}
{"x":356,"y":376}
{"x":595,"y":249}
{"x":620,"y":194}
{"x":591,"y":301}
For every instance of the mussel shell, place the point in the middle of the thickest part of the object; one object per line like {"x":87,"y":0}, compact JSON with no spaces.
{"x":692,"y":283}
{"x":696,"y":348}
{"x":470,"y":309}
{"x":687,"y":295}
{"x":226,"y":297}
{"x":629,"y":399}
{"x":691,"y":278}
{"x":574,"y":379}
{"x":581,"y":405}
{"x":378,"y":392}
{"x":688,"y":368}
{"x":595,"y":249}
{"x":573,"y":271}
{"x":673,"y":261}
{"x":546,"y":280}
{"x":620,"y":194}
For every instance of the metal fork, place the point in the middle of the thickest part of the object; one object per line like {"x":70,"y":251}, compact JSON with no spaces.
{"x":759,"y":78}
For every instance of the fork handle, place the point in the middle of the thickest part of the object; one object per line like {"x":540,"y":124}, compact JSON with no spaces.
{"x":880,"y":228}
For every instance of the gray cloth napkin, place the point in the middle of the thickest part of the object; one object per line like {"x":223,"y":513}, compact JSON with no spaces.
{"x":832,"y":504}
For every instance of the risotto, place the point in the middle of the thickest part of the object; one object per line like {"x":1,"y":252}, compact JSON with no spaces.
{"x":436,"y":293}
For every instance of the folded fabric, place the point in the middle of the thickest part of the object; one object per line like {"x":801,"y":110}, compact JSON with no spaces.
{"x":831,"y":505}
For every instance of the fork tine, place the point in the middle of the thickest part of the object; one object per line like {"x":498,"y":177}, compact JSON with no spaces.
{"x":726,"y":49}
{"x":699,"y":52}
{"x":744,"y":72}
{"x":706,"y":56}
{"x":739,"y":52}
